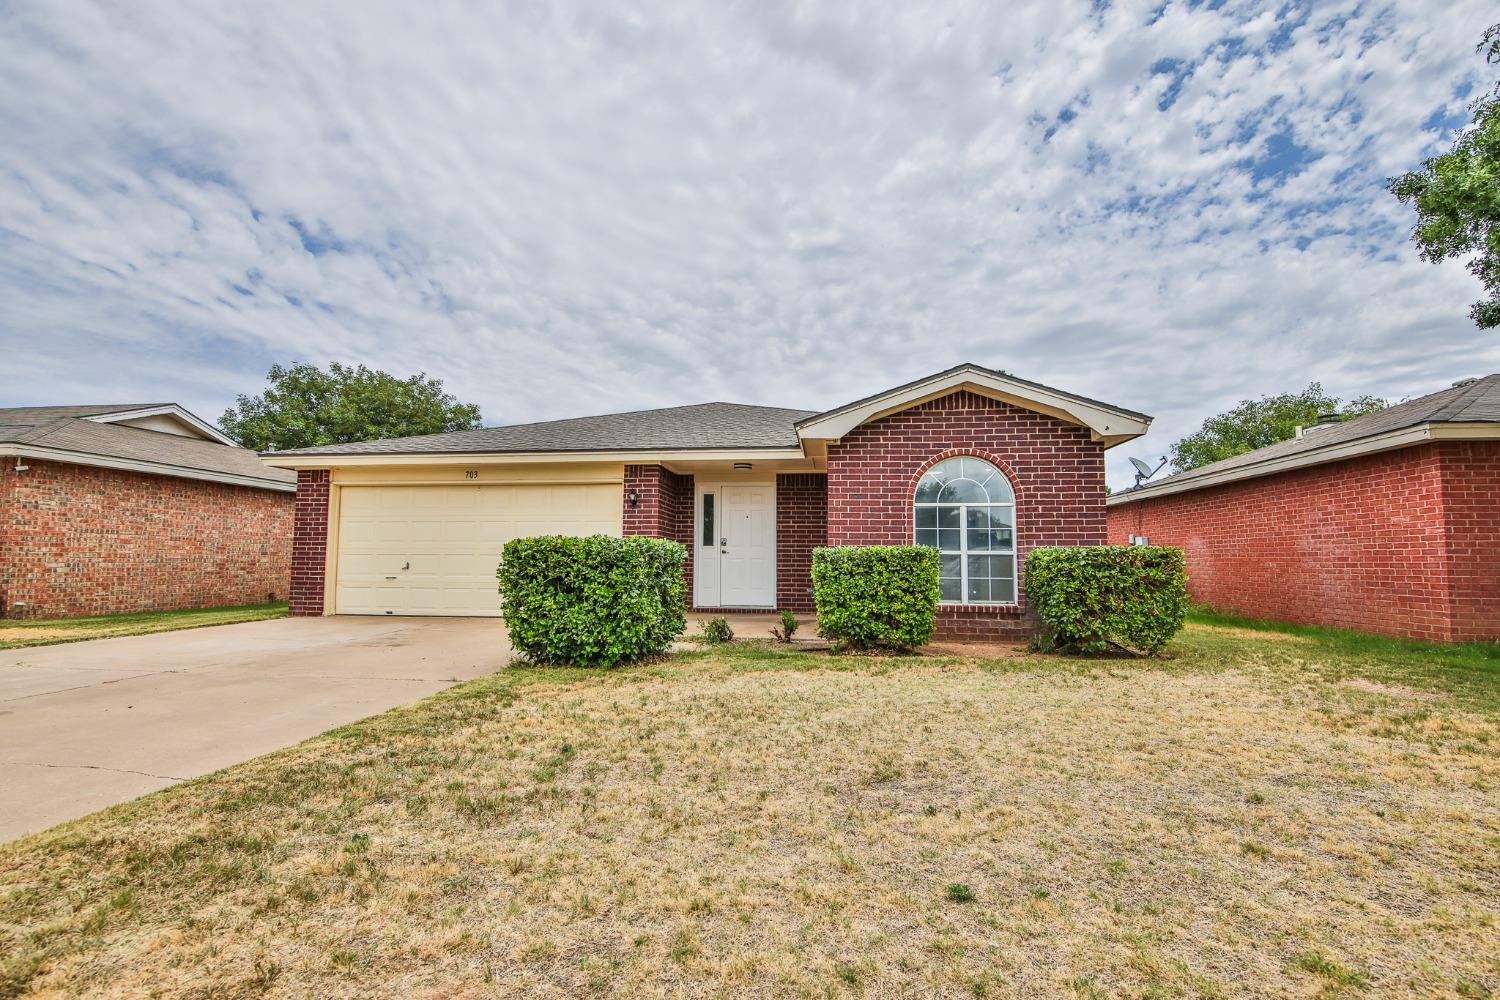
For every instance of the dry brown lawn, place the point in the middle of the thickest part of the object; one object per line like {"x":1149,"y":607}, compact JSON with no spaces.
{"x":1235,"y":820}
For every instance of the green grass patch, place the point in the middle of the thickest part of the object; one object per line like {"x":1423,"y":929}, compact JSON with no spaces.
{"x":1469,"y":671}
{"x":17,"y":633}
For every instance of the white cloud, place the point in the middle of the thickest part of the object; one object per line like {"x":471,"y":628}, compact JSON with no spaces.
{"x":563,"y":208}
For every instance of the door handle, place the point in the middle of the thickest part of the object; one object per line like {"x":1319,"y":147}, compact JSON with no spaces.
{"x":407,"y":566}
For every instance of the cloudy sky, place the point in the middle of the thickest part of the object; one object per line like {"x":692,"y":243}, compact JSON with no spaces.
{"x":564,"y":208}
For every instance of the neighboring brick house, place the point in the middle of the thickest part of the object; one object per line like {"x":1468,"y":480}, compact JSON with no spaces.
{"x":1385,"y":523}
{"x":978,"y":463}
{"x":135,"y":508}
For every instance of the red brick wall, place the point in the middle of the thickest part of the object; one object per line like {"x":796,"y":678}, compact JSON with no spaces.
{"x":1056,"y":471}
{"x":801,"y":526}
{"x":78,"y":540}
{"x":1402,"y":543}
{"x":1471,"y":505}
{"x":310,"y":542}
{"x":664,"y":510}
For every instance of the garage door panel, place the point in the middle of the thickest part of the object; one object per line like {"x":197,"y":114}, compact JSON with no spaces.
{"x":451,"y":537}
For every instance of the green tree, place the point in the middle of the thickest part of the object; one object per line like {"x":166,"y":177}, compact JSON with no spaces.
{"x":306,"y":406}
{"x":1255,"y":423}
{"x":1457,"y":196}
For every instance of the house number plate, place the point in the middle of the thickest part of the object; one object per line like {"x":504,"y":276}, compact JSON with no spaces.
{"x":471,"y":473}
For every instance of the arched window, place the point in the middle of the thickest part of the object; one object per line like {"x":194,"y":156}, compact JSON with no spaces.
{"x":966,"y":510}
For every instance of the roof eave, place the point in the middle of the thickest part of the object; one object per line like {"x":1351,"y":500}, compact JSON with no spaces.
{"x":96,"y":460}
{"x":1401,"y":437}
{"x":639,"y":456}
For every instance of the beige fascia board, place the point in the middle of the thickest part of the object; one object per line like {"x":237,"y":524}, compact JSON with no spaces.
{"x":1110,"y":426}
{"x":134,"y":465}
{"x":531,"y":457}
{"x":1404,"y":437}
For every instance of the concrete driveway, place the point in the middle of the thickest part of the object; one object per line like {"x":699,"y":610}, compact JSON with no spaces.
{"x":87,"y":724}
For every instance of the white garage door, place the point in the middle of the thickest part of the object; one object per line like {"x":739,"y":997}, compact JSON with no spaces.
{"x":433,"y":550}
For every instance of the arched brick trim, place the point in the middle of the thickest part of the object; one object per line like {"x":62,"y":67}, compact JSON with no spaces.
{"x":1017,"y":547}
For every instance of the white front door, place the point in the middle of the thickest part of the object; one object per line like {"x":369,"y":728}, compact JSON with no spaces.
{"x":736,"y":546}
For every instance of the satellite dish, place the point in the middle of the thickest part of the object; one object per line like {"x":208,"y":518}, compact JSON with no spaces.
{"x":1143,"y":471}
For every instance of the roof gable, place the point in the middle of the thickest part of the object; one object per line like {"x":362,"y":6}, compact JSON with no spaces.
{"x":1108,"y":424}
{"x":77,"y":435}
{"x":165,"y":418}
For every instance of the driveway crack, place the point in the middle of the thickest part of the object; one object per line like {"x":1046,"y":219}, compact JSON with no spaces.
{"x":92,"y":767}
{"x":91,"y":684}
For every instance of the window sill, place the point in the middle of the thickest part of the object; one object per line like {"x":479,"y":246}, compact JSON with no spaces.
{"x":979,"y":609}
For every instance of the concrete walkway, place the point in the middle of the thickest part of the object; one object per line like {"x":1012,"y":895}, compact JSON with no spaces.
{"x":87,"y":724}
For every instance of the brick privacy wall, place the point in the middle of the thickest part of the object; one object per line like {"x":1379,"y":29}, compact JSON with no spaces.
{"x":801,"y":526}
{"x":310,"y":542}
{"x":1057,"y":473}
{"x":1471,"y":507}
{"x":1361,"y":544}
{"x":79,"y":540}
{"x":665,"y":510}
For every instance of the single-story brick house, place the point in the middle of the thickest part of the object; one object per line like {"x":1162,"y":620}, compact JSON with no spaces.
{"x":140,"y":507}
{"x":1386,"y":523}
{"x":981,"y":464}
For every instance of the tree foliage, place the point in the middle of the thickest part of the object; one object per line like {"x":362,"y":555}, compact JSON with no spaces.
{"x":1255,"y":423}
{"x":306,"y":406}
{"x":1457,"y":196}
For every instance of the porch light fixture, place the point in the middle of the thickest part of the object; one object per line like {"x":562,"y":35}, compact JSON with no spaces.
{"x":633,"y":498}
{"x":743,"y":466}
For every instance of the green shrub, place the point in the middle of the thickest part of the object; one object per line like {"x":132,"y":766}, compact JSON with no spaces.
{"x":716,"y":631}
{"x":877,"y":595}
{"x":598,"y":600}
{"x":787,"y":628}
{"x":1096,"y":597}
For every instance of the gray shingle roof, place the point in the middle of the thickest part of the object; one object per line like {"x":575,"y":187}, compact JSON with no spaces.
{"x":41,"y":414}
{"x":1477,"y":401}
{"x":703,"y":426}
{"x":62,"y":428}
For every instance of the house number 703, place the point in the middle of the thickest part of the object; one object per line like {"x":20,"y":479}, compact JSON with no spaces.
{"x":471,"y":473}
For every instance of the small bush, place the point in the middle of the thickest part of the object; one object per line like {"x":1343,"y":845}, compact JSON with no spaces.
{"x":597,"y":601}
{"x":878,"y":595}
{"x":1096,"y":597}
{"x":787,"y":628}
{"x":716,"y":631}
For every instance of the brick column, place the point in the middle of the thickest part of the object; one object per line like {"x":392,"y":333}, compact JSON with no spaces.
{"x":310,"y":542}
{"x":664,"y":509}
{"x":801,"y":526}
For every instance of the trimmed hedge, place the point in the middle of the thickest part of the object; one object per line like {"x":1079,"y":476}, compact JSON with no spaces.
{"x":597,"y":601}
{"x":1096,"y":597}
{"x":876,"y":595}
